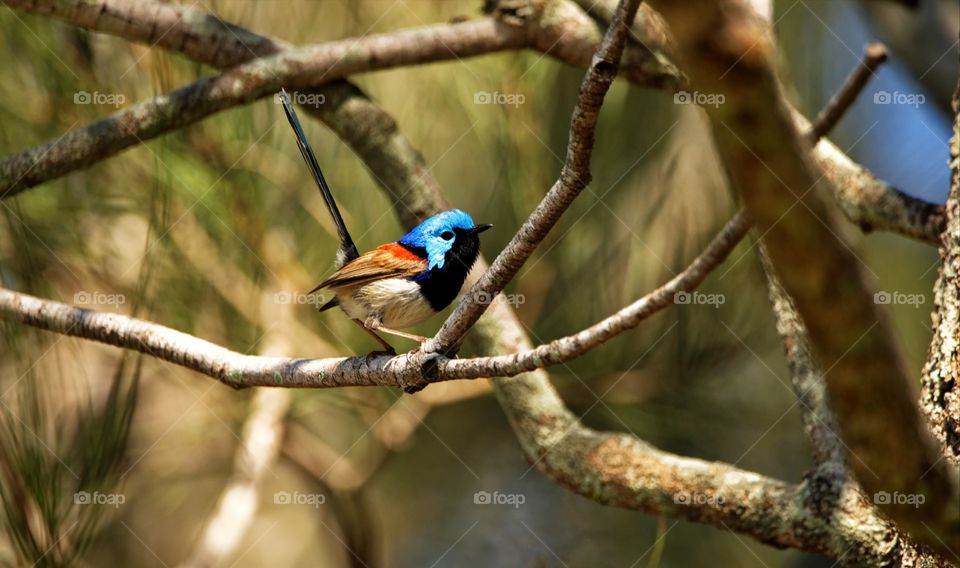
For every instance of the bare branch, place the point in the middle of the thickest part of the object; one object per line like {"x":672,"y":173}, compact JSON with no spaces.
{"x":573,"y":346}
{"x":647,"y":29}
{"x":872,"y":204}
{"x":865,"y":200}
{"x":295,"y":69}
{"x":574,"y":177}
{"x":300,"y":68}
{"x":806,"y":376}
{"x":239,"y":370}
{"x":868,"y":385}
{"x":874,"y":54}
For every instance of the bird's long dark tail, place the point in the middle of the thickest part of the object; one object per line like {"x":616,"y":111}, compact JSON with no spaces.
{"x":348,"y":250}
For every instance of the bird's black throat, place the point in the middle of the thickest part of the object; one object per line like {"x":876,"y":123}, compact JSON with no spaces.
{"x":440,"y":285}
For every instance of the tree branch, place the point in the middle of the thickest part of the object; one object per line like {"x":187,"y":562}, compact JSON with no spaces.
{"x":870,"y":203}
{"x":240,"y":370}
{"x":866,"y":201}
{"x":728,"y":50}
{"x":874,"y":54}
{"x":294,"y":69}
{"x":574,"y":177}
{"x":940,"y":391}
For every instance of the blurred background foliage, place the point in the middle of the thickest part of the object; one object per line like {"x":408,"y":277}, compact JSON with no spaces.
{"x":217,"y":230}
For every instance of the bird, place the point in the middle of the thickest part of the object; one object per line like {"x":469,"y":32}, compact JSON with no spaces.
{"x":398,"y":284}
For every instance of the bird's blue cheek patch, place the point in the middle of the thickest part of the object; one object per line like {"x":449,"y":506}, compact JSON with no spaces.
{"x":436,"y":253}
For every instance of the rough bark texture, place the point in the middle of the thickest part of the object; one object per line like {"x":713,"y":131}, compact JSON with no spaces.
{"x":728,"y":50}
{"x":941,"y":393}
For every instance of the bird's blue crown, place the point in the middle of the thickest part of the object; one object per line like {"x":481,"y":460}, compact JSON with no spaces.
{"x":436,"y":235}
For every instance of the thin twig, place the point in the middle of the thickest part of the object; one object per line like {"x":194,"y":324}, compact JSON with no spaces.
{"x":874,"y":54}
{"x":574,"y":177}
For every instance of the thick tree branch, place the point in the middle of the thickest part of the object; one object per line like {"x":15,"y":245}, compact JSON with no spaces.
{"x":728,"y":50}
{"x":941,"y":393}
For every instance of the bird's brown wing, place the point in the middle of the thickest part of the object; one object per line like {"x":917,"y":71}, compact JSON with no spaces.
{"x":387,"y":261}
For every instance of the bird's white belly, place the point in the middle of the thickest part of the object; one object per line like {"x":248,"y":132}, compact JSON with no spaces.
{"x":395,"y":302}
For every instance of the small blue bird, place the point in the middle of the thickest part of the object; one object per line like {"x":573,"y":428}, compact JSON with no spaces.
{"x":399,"y":284}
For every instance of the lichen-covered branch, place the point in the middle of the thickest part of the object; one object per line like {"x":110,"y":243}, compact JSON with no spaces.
{"x":728,"y":50}
{"x":941,"y":393}
{"x":870,"y":203}
{"x":806,"y":377}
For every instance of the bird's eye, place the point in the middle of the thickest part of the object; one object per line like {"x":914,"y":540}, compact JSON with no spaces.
{"x":447,"y":235}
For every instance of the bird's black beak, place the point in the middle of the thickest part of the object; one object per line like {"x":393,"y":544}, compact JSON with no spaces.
{"x":479,"y":229}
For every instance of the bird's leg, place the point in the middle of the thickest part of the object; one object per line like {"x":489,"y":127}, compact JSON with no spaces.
{"x":417,"y":338}
{"x":386,"y":346}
